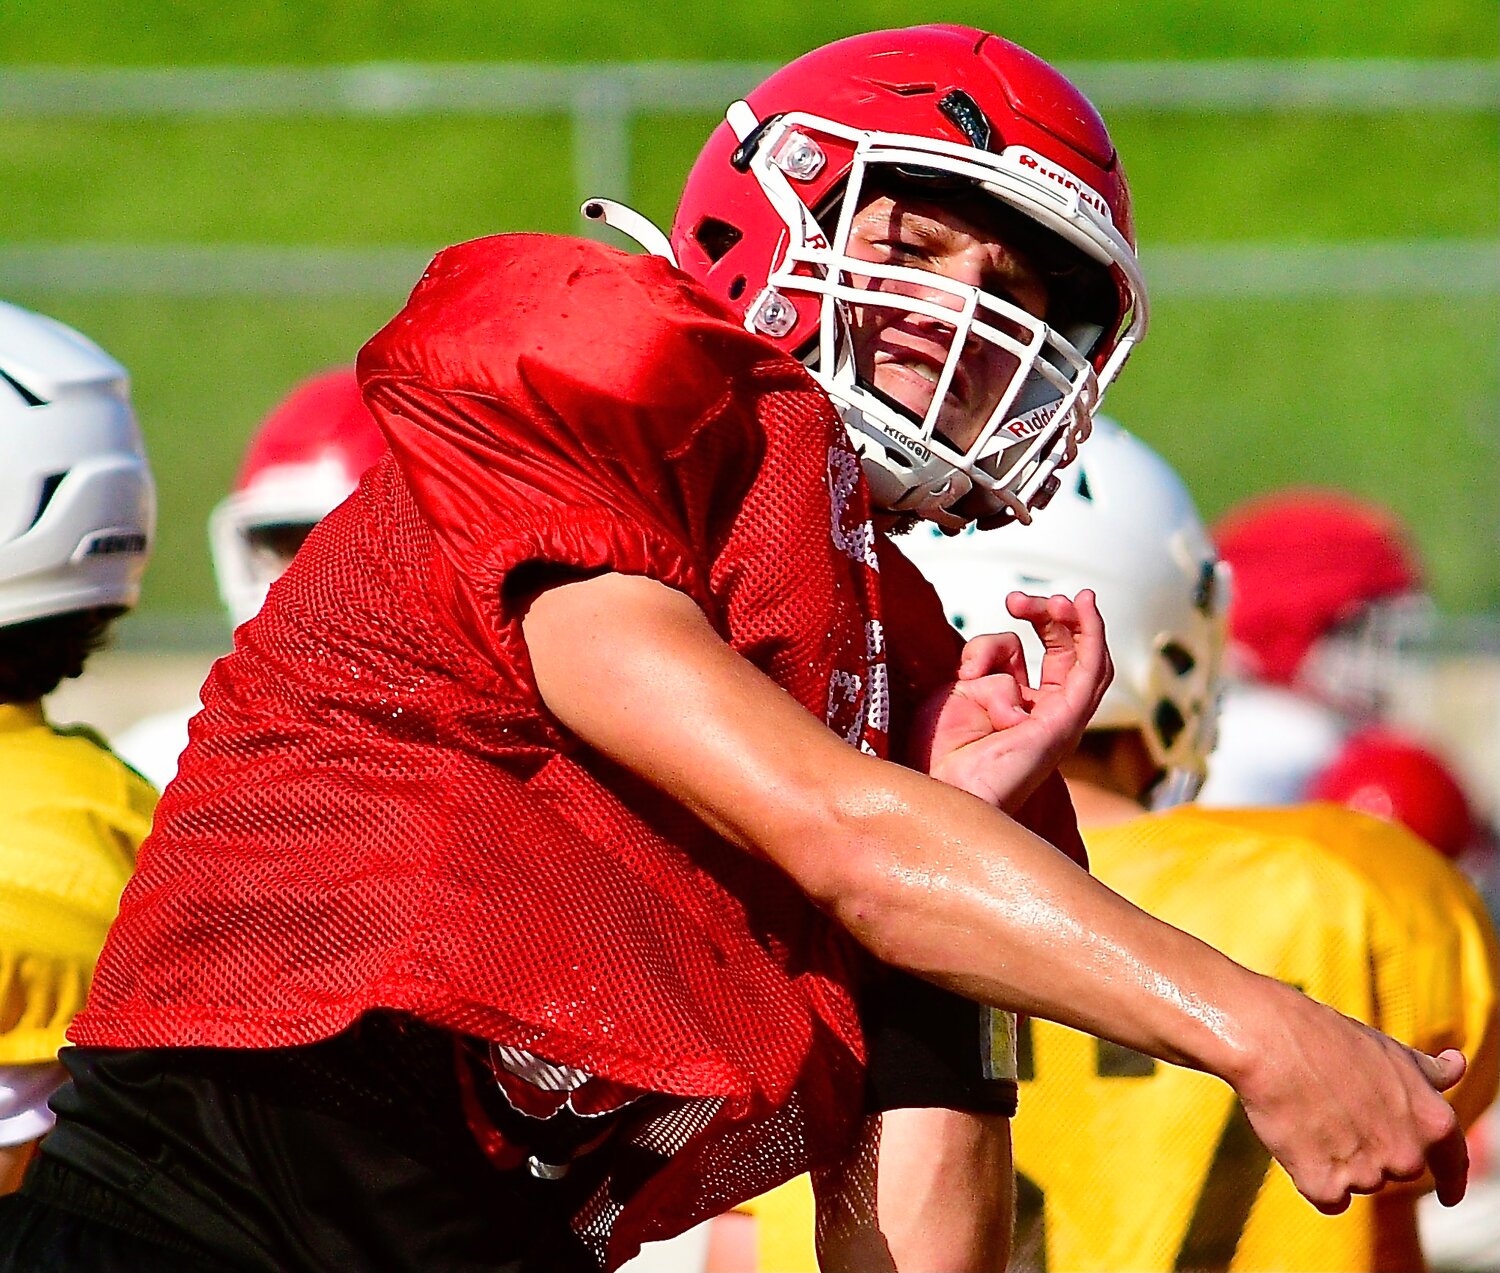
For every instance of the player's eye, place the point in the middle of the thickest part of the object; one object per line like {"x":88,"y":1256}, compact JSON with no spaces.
{"x":905,"y":252}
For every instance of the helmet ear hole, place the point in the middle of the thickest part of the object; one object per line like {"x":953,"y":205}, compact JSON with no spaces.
{"x":737,"y":288}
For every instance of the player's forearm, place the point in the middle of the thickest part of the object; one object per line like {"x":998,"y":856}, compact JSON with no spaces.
{"x":956,"y":892}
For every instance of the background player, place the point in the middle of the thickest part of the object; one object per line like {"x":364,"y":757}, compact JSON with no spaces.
{"x":303,"y":461}
{"x":1325,"y":587}
{"x":77,"y":516}
{"x":1133,"y":1165}
{"x":1382,"y":772}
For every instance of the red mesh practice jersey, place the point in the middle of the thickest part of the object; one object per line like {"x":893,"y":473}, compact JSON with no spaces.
{"x":375,"y":809}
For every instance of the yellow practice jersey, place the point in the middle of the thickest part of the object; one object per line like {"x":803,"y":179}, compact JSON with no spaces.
{"x":1129,"y":1164}
{"x":71,"y":818}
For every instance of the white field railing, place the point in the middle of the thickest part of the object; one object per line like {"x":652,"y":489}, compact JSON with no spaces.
{"x":603,"y":101}
{"x":1241,"y":271}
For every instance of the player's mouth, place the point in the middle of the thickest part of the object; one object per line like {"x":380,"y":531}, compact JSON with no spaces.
{"x":911,"y":376}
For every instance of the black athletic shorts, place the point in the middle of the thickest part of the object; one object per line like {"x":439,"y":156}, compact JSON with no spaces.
{"x":351,"y":1154}
{"x":354,"y":1153}
{"x":105,"y":1235}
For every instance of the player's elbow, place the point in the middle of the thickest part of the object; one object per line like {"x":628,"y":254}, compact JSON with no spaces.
{"x":853,"y":862}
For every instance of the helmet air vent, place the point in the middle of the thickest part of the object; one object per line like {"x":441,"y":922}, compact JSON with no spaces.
{"x":1206,"y":595}
{"x":1169,"y":722}
{"x":716,"y":237}
{"x":50,"y":483}
{"x":963,"y":112}
{"x":1179,"y":658}
{"x":906,"y":90}
{"x":27,"y":396}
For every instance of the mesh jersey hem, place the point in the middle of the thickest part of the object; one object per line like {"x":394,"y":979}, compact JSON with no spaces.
{"x":217,"y":1027}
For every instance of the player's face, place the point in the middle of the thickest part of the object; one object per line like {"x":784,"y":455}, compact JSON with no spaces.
{"x":901,"y":354}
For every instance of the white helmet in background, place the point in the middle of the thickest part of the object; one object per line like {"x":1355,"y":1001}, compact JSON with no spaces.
{"x":305,"y":459}
{"x":1124,"y":525}
{"x":77,"y":502}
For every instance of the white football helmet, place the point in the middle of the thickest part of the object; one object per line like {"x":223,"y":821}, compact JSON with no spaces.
{"x":1124,"y":525}
{"x":77,"y":501}
{"x":303,"y":462}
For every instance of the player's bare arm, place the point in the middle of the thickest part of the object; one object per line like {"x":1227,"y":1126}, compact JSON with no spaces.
{"x":932,"y":879}
{"x":943,"y":1190}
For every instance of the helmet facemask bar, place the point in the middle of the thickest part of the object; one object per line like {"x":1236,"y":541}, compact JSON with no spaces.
{"x":1022,"y":441}
{"x":1357,"y":665}
{"x":1181,"y":696}
{"x":291,"y":498}
{"x":1044,"y":411}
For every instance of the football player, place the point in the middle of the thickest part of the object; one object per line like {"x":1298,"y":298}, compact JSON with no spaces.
{"x":1383,"y":773}
{"x":303,"y":461}
{"x":521,"y":885}
{"x":77,"y":515}
{"x":1326,"y":586}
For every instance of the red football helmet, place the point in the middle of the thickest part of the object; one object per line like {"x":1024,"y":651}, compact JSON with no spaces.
{"x":764,"y":223}
{"x":1386,"y":774}
{"x":303,"y":462}
{"x":1317,"y":568}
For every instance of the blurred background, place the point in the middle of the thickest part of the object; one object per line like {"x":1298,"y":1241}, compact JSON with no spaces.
{"x":229,"y":197}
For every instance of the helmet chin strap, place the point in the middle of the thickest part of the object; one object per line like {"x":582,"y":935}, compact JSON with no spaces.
{"x":632,"y":224}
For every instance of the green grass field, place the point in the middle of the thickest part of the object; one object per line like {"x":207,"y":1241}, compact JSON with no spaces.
{"x":1396,"y":396}
{"x":312,"y":31}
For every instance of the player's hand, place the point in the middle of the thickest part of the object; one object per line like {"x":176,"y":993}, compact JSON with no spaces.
{"x":1345,"y":1109}
{"x":995,"y":732}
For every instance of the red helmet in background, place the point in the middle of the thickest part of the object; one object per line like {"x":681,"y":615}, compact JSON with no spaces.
{"x":765,"y":218}
{"x":1305,"y":563}
{"x":1388,"y":775}
{"x":304,"y":460}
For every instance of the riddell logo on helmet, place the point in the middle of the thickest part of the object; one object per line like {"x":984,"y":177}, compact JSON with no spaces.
{"x":1030,"y":424}
{"x":1034,"y":163}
